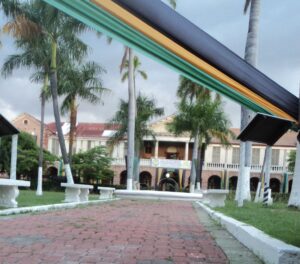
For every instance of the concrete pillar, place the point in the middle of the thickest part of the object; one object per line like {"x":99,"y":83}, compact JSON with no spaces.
{"x":186,"y":153}
{"x":156,"y":149}
{"x":13,"y":160}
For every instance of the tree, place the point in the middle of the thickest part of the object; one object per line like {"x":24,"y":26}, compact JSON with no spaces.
{"x":37,"y":20}
{"x":243,"y":190}
{"x":80,"y":82}
{"x":146,"y":111}
{"x":202,"y":117}
{"x":93,"y":164}
{"x":27,"y":155}
{"x":36,"y":55}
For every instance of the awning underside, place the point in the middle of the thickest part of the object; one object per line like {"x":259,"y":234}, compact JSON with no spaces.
{"x":6,"y":128}
{"x":162,"y":34}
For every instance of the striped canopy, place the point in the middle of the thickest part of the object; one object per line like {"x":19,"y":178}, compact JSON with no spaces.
{"x":159,"y":32}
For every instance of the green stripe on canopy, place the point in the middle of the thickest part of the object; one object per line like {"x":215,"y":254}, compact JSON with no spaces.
{"x":102,"y":21}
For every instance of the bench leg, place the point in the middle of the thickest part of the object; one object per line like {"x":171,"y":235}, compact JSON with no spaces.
{"x":84,"y":195}
{"x":72,"y":195}
{"x":8,"y":196}
{"x":104,"y":195}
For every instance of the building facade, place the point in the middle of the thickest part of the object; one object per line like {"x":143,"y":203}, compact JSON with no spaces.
{"x":165,"y":161}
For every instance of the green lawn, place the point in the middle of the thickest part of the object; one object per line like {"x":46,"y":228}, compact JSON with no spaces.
{"x":29,"y":198}
{"x":277,"y":220}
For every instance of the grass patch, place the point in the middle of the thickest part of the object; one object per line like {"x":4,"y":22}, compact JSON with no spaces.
{"x":29,"y":198}
{"x":277,"y":220}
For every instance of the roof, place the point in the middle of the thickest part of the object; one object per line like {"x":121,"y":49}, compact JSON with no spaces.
{"x":6,"y":128}
{"x":89,"y":130}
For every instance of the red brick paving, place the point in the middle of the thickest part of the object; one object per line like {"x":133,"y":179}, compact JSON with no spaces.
{"x":142,"y":232}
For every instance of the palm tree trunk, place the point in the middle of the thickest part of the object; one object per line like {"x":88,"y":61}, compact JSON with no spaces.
{"x":39,"y":190}
{"x":246,"y":115}
{"x":201,"y":155}
{"x":194,"y":163}
{"x":198,"y":167}
{"x":53,"y":86}
{"x":73,"y":121}
{"x":137,"y":163}
{"x":131,"y":122}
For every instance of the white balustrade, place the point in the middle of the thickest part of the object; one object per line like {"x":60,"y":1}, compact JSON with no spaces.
{"x":210,"y":166}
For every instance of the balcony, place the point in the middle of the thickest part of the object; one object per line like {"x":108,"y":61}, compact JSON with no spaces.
{"x":210,"y":166}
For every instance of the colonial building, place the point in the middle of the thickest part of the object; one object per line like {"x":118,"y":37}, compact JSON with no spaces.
{"x":27,"y":123}
{"x":165,"y":161}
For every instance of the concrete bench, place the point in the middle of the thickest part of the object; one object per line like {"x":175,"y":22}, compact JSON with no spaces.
{"x":106,"y":192}
{"x":9,"y":191}
{"x":215,"y":198}
{"x":76,"y":192}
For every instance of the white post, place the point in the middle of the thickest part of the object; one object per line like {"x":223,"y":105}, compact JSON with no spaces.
{"x":13,"y":161}
{"x":241,"y":182}
{"x":186,"y":154}
{"x":156,"y":149}
{"x":295,"y":193}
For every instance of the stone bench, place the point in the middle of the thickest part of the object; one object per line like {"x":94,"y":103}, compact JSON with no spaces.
{"x":215,"y":198}
{"x":106,"y":192}
{"x":76,"y":192}
{"x":9,"y":191}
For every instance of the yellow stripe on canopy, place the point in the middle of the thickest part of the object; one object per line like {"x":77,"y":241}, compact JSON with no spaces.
{"x":181,"y":52}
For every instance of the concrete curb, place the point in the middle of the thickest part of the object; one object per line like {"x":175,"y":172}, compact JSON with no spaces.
{"x":268,"y":249}
{"x":158,"y":195}
{"x":41,"y":208}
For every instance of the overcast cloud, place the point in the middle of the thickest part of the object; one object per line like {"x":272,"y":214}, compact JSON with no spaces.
{"x":279,"y":58}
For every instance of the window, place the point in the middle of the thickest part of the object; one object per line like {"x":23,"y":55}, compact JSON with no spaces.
{"x":275,"y":157}
{"x":89,"y":144}
{"x":235,"y":156}
{"x":148,"y":148}
{"x":255,"y":156}
{"x":216,"y":154}
{"x":25,"y":122}
{"x":55,"y":146}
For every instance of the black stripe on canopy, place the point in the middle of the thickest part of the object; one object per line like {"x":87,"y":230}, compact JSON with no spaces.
{"x":179,"y":29}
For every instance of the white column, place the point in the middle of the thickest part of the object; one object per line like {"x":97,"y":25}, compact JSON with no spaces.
{"x":13,"y":161}
{"x":156,"y":149}
{"x":186,"y":154}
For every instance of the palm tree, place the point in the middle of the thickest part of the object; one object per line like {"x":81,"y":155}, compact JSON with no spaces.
{"x":146,"y":110}
{"x":136,"y":71}
{"x":202,"y":119}
{"x":35,"y":55}
{"x":80,"y":82}
{"x":191,"y":92}
{"x":38,"y":20}
{"x":251,"y":50}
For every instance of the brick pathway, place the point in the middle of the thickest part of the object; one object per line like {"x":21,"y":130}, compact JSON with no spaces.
{"x":142,"y":232}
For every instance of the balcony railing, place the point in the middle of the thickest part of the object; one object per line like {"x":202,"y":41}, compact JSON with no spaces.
{"x":209,"y":166}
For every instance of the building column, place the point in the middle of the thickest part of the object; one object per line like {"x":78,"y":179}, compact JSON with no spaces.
{"x":156,"y":149}
{"x":186,"y":154}
{"x":13,"y":161}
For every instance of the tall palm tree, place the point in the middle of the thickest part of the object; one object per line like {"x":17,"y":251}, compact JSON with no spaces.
{"x":128,"y":56}
{"x":80,"y":83}
{"x":136,"y":71}
{"x":251,"y":50}
{"x":191,"y":92}
{"x":146,"y":111}
{"x":35,"y":55}
{"x":202,"y":119}
{"x":38,"y":20}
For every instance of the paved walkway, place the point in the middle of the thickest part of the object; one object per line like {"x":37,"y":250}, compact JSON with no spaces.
{"x":142,"y":232}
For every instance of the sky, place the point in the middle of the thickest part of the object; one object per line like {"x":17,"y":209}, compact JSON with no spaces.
{"x":278,"y":58}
